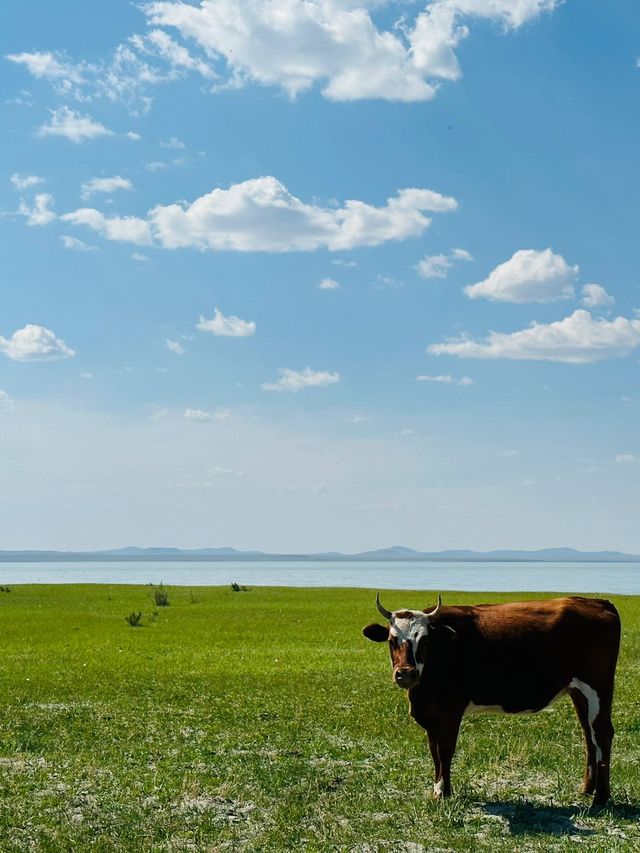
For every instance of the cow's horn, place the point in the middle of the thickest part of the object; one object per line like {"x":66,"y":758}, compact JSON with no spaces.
{"x":437,"y":607}
{"x":386,"y":613}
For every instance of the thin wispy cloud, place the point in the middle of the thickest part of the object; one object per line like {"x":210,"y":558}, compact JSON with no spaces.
{"x":76,"y":245}
{"x":446,"y":379}
{"x":104,"y":185}
{"x":297,"y":380}
{"x":25,"y":182}
{"x":69,"y":124}
{"x":578,"y":339}
{"x":438,"y":266}
{"x":174,"y":346}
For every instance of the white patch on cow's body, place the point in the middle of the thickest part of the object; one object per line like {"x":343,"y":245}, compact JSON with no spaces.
{"x":438,"y":787}
{"x":593,"y":708}
{"x":410,"y":630}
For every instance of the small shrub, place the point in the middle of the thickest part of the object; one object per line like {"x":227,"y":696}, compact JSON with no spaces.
{"x":161,"y":596}
{"x":134,"y":620}
{"x":194,"y":598}
{"x":236,"y":587}
{"x":5,"y":589}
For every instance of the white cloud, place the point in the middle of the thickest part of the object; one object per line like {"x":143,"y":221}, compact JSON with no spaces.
{"x":6,"y":402}
{"x":358,"y":419}
{"x":25,"y":182}
{"x":131,"y":134}
{"x":105,"y":185}
{"x":172,"y":142}
{"x":595,"y":296}
{"x":34,"y":343}
{"x":57,"y":69}
{"x":220,"y":471}
{"x":174,"y":346}
{"x":136,"y":256}
{"x":528,"y":276}
{"x":86,"y":375}
{"x":200,"y":415}
{"x":446,"y":379}
{"x":262,"y":215}
{"x":294,"y":380}
{"x":329,"y":284}
{"x":76,"y":245}
{"x":230,"y":327}
{"x":39,"y":213}
{"x":73,"y":126}
{"x":336,"y":43}
{"x":437,"y":266}
{"x":627,"y":459}
{"x":577,"y":339}
{"x":128,"y":229}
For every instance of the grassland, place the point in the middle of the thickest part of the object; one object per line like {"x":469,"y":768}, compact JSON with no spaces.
{"x":263,"y":721}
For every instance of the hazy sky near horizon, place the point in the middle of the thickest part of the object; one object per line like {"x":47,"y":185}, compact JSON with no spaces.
{"x":320,"y":274}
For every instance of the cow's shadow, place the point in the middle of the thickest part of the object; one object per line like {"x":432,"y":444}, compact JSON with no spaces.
{"x":525,"y":817}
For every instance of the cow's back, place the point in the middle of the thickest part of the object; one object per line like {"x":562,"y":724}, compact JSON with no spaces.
{"x":519,"y":656}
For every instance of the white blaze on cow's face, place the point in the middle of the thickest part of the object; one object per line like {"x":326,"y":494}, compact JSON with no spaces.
{"x":408,"y":631}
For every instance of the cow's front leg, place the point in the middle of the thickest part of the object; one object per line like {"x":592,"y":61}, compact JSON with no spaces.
{"x":446,"y":739}
{"x":433,"y":746}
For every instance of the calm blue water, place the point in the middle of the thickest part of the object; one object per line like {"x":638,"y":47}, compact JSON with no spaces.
{"x":623,"y":578}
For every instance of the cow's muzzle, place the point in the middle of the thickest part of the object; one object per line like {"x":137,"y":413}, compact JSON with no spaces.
{"x":406,"y":677}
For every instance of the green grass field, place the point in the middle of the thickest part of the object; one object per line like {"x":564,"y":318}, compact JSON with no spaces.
{"x":264,"y":721}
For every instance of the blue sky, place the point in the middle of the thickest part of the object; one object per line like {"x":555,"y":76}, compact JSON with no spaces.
{"x":179,"y":180}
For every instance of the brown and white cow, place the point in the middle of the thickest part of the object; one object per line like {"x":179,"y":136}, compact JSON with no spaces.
{"x":516,"y":657}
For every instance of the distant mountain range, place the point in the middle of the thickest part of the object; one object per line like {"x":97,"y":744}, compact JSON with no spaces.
{"x":397,"y":553}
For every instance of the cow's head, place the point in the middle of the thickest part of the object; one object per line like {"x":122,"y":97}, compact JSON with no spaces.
{"x":408,"y":634}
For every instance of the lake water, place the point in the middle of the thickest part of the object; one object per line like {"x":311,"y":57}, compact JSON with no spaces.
{"x":622,"y":578}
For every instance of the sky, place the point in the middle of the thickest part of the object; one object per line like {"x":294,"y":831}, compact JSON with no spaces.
{"x":308,"y":275}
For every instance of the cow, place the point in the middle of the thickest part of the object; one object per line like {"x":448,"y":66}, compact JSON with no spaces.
{"x":516,"y":657}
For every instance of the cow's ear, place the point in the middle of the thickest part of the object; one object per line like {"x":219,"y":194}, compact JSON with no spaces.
{"x":375,"y":632}
{"x":445,"y":632}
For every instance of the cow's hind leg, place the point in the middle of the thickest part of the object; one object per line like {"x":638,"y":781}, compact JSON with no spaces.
{"x":603,"y":728}
{"x":582,"y":710}
{"x":600,"y":728}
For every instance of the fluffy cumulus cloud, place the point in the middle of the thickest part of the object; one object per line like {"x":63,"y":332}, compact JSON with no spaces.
{"x":528,"y":276}
{"x":227,"y":327}
{"x":329,"y":284}
{"x":446,"y":379}
{"x":126,"y":229}
{"x":577,"y":339}
{"x":34,"y":343}
{"x":261,"y":215}
{"x":105,"y":185}
{"x":73,"y":126}
{"x":438,"y":266}
{"x":296,"y":380}
{"x":336,"y":43}
{"x":595,"y":296}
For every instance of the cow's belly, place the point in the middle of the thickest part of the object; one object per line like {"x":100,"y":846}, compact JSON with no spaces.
{"x":525,"y":704}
